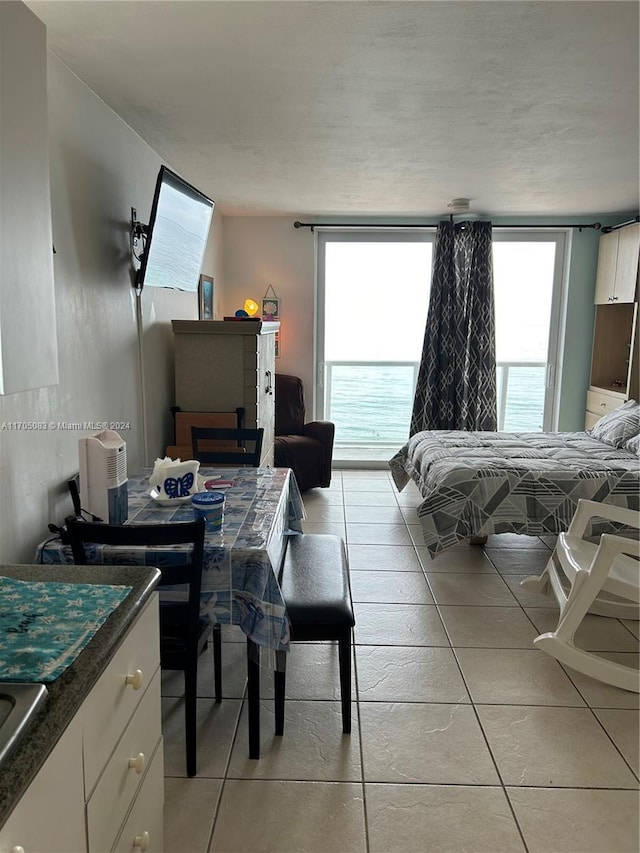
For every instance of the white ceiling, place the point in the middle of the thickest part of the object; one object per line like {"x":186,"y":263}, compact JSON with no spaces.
{"x":359,"y":108}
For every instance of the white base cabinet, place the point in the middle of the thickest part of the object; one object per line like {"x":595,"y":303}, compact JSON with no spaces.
{"x":50,"y":817}
{"x":600,"y":402}
{"x":143,"y":829}
{"x":102,"y":787}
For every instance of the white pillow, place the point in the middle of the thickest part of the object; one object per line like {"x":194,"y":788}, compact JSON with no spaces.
{"x":632,"y":444}
{"x":618,"y":426}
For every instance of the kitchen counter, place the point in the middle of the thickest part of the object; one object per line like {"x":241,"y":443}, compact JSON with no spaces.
{"x":67,"y":693}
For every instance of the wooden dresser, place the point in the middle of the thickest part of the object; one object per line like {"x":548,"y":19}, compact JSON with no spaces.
{"x":221,"y":365}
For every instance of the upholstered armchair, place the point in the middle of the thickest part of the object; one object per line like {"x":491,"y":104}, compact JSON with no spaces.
{"x":306,"y":448}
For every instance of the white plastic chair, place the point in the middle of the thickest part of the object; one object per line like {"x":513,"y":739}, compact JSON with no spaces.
{"x":601,"y":578}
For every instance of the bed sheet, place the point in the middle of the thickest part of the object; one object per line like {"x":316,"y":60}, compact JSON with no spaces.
{"x":478,"y":483}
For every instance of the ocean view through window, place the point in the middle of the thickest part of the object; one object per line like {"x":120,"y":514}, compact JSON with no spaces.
{"x":373,"y":301}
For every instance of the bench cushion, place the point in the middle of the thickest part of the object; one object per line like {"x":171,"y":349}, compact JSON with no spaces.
{"x":315,"y":583}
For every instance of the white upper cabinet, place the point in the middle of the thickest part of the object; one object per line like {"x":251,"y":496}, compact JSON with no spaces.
{"x":627,"y":265}
{"x":617,"y":273}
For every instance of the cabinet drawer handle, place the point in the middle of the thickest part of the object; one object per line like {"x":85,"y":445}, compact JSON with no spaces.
{"x":603,"y":405}
{"x":135,"y":680}
{"x":142,"y":841}
{"x":269,"y":378}
{"x":138,"y":763}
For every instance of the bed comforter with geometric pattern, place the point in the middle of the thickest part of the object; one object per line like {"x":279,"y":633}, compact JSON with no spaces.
{"x":477,"y":483}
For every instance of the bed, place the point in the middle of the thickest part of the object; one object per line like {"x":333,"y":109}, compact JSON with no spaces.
{"x":478,"y":483}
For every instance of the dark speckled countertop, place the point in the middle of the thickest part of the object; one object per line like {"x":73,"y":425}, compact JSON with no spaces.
{"x":69,"y":691}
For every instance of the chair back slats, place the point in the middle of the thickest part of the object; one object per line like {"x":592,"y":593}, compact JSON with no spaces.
{"x":203,"y":420}
{"x":150,"y":535}
{"x":240,"y":437}
{"x":73,"y":484}
{"x":183,"y":421}
{"x":174,"y":575}
{"x":184,"y":632}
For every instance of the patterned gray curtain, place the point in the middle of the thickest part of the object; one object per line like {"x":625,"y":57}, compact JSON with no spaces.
{"x":456,"y":386}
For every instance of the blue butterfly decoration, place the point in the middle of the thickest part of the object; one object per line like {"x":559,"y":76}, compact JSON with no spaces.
{"x":180,"y":487}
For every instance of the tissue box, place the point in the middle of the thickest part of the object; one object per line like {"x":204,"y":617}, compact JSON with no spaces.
{"x":174,"y":478}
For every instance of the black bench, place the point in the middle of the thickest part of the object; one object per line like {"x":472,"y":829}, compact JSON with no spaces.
{"x":315,"y":586}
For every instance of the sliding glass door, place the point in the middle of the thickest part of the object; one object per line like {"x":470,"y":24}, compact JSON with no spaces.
{"x":527,"y":273}
{"x":372,"y":300}
{"x":373,"y":296}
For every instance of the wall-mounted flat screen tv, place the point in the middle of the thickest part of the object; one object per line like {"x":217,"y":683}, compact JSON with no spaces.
{"x":176,"y":236}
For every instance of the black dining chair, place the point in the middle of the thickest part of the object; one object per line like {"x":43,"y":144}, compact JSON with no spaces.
{"x":231,"y":449}
{"x":184,"y":633}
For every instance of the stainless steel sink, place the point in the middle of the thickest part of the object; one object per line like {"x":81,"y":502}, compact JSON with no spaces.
{"x":19,"y":703}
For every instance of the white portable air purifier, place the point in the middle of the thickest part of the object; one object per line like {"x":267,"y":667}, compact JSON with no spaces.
{"x":103,"y":476}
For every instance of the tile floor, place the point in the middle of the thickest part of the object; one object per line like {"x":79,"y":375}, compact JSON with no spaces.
{"x":465,"y":737}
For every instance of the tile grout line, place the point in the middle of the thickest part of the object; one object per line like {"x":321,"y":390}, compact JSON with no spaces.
{"x":361,"y":747}
{"x":479,"y":722}
{"x":216,"y":812}
{"x":359,"y":709}
{"x":473,"y":705}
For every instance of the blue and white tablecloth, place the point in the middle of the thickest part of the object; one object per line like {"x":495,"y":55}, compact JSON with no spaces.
{"x":239,"y":583}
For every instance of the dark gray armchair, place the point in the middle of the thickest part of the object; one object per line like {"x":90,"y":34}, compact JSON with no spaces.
{"x":306,"y":448}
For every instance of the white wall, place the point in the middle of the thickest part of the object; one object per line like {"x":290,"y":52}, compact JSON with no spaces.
{"x":99,"y":170}
{"x":28,"y":350}
{"x":262,"y":250}
{"x":212,"y":263}
{"x":259,"y":251}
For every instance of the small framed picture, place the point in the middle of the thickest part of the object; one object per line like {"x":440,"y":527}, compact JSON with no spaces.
{"x":271,"y":308}
{"x":205,"y":298}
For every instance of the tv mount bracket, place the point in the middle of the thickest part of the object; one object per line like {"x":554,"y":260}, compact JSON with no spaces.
{"x":138,"y":236}
{"x":138,"y":229}
{"x":138,"y":232}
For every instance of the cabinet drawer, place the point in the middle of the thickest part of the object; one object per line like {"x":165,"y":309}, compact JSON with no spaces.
{"x":599,"y":402}
{"x":112,"y":702}
{"x":590,"y":419}
{"x":145,"y":819}
{"x":119,"y":784}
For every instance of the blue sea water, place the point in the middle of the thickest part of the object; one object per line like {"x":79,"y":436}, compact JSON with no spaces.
{"x":371,"y":404}
{"x":525,"y":399}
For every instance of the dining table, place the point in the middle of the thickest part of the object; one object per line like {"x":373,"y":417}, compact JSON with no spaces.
{"x":262,"y":508}
{"x":241,"y":560}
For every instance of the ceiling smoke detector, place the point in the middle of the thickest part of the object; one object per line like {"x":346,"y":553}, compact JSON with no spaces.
{"x":458,"y":205}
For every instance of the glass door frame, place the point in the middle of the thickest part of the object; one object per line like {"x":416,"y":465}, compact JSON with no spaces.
{"x":557,"y":318}
{"x":557,"y":322}
{"x":352,"y":235}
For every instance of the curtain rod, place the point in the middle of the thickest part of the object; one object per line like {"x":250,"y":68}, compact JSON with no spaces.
{"x":608,"y":228}
{"x":579,"y":225}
